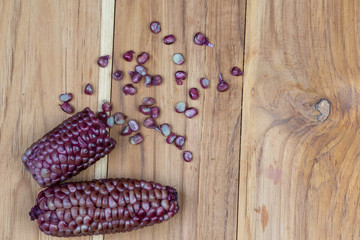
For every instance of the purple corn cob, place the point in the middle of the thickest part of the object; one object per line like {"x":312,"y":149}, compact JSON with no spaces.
{"x":69,"y":148}
{"x":103,"y":206}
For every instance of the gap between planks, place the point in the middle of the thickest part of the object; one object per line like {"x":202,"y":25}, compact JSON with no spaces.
{"x":104,"y":92}
{"x":242,"y":201}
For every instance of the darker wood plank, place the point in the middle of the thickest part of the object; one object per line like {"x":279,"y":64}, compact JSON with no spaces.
{"x":208,"y":185}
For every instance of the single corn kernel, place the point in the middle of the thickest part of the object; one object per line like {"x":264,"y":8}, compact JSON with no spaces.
{"x":66,"y":97}
{"x":142,"y":58}
{"x":165,"y":129}
{"x":136,"y":139}
{"x":180,"y":107}
{"x":178,"y":59}
{"x":128,"y":56}
{"x":148,"y":101}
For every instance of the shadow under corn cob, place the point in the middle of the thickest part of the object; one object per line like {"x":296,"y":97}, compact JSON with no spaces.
{"x":103,"y":206}
{"x":74,"y":145}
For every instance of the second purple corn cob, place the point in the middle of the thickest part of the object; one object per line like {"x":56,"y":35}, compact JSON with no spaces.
{"x":69,"y":148}
{"x":103,"y":206}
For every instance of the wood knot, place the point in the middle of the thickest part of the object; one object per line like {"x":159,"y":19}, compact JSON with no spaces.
{"x":323,"y":106}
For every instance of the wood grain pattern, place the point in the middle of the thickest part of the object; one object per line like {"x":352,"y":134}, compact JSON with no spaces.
{"x":208,"y":185}
{"x":46,"y":48}
{"x":300,"y":177}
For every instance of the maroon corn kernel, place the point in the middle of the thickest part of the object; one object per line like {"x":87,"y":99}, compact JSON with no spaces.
{"x":200,"y":39}
{"x":191,"y":112}
{"x":149,"y":122}
{"x":180,"y":75}
{"x":142,"y":58}
{"x":179,"y":142}
{"x":171,"y":138}
{"x":103,"y":206}
{"x":156,"y":80}
{"x":148,"y":101}
{"x":135,"y":76}
{"x":118,"y":75}
{"x":72,"y":146}
{"x":136,"y":139}
{"x":128,"y":56}
{"x":169,"y":39}
{"x":106,"y":106}
{"x":66,"y":97}
{"x":110,"y":121}
{"x":103,"y":61}
{"x":140,"y":69}
{"x":129,"y":89}
{"x":180,"y":107}
{"x":66,"y":107}
{"x":88,"y":89}
{"x":178,"y":58}
{"x":204,"y":83}
{"x":155,"y":27}
{"x":154,"y":111}
{"x":179,"y":82}
{"x":126,"y":131}
{"x":119,"y":118}
{"x":222,"y":85}
{"x":187,"y":155}
{"x":134,"y":125}
{"x":194,"y":93}
{"x":102,"y":116}
{"x":131,"y":73}
{"x":165,"y":129}
{"x":156,"y":128}
{"x":144,"y":110}
{"x":235,"y":71}
{"x":147,"y":82}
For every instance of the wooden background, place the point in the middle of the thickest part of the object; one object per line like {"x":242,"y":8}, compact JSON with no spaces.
{"x":264,"y":166}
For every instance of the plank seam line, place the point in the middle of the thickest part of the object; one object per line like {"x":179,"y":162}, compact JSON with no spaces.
{"x":241,"y":128}
{"x":112,"y":68}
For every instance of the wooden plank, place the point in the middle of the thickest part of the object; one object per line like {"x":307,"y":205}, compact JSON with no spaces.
{"x":208,"y":185}
{"x":48,"y":47}
{"x":106,"y":47}
{"x":299,"y":176}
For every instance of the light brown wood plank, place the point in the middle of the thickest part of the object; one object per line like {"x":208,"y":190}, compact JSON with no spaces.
{"x":299,"y":177}
{"x":207,"y":186}
{"x":106,"y":47}
{"x":47,"y":48}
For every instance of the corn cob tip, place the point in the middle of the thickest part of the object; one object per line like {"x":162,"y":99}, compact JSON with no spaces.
{"x":173,"y":197}
{"x":172,"y":194}
{"x":35,"y":212}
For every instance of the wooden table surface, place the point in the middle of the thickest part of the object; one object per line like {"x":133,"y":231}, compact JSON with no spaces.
{"x":267,"y":164}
